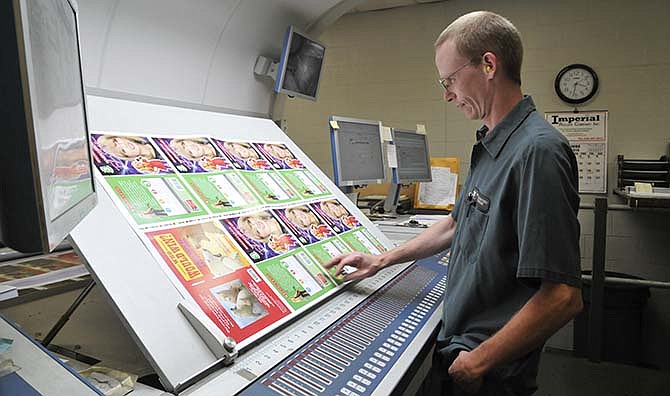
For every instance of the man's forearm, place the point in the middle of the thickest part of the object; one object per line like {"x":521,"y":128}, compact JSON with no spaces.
{"x":544,"y":314}
{"x":433,"y":240}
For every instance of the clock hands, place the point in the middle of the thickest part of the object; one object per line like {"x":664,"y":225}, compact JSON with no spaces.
{"x":574,"y":86}
{"x":576,"y":83}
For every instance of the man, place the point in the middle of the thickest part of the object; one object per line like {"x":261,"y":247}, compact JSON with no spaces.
{"x":514,"y":272}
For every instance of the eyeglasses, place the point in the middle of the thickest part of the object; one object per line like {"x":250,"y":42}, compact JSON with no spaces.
{"x":449,"y":80}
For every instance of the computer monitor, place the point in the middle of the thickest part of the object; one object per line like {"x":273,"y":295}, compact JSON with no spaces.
{"x":46,"y":183}
{"x":300,"y":65}
{"x":413,"y":157}
{"x":358,"y":154}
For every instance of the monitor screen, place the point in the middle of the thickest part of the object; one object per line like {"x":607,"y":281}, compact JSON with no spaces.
{"x":358,"y":155}
{"x":48,"y":125}
{"x":300,"y":65}
{"x":413,"y":158}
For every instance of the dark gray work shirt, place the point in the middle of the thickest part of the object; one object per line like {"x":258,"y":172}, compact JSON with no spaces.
{"x":516,"y":226}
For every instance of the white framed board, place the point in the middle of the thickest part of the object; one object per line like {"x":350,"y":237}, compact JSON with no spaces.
{"x":135,"y":241}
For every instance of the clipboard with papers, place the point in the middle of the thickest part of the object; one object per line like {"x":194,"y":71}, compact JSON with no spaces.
{"x":442,"y":191}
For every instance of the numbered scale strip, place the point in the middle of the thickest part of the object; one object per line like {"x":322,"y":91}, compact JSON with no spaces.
{"x":353,"y":355}
{"x":258,"y":360}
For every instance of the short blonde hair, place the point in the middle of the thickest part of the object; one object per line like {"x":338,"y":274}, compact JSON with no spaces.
{"x":327,"y":207}
{"x":231,"y":147}
{"x":207,"y":147}
{"x":106,"y":142}
{"x":271,"y":147}
{"x":245,"y":226}
{"x":481,"y":31}
{"x":290,"y":213}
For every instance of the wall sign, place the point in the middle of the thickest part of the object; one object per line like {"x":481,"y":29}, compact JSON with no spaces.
{"x":587,"y":133}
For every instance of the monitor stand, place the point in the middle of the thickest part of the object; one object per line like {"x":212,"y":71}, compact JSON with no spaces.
{"x":390,"y":204}
{"x":392,"y":198}
{"x":350,"y":193}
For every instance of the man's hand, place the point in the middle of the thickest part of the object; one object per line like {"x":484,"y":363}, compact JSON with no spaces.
{"x":463,"y":371}
{"x":366,"y":265}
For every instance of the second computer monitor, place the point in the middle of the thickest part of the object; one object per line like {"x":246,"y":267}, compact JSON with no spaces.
{"x":358,"y":154}
{"x":413,"y":157}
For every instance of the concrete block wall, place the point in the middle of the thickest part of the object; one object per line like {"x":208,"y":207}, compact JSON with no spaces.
{"x":379,"y":65}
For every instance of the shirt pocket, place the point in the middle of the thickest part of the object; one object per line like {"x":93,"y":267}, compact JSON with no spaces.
{"x":473,"y":232}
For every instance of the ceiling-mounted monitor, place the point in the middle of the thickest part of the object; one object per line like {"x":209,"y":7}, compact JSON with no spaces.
{"x":46,"y":183}
{"x":300,"y":65}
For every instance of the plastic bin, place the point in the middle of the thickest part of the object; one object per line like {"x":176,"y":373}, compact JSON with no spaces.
{"x":622,"y":320}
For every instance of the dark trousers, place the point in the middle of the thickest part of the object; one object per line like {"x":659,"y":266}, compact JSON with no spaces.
{"x":438,"y":382}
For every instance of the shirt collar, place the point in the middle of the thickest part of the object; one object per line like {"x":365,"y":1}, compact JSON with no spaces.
{"x":493,"y":141}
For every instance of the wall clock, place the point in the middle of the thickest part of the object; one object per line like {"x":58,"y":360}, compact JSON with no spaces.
{"x":576,"y":83}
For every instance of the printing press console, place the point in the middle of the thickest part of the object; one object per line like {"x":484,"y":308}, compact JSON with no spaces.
{"x":365,"y":350}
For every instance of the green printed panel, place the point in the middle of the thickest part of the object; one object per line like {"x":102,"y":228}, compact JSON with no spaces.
{"x":152,"y":199}
{"x":297,"y":278}
{"x":305,"y":183}
{"x":62,"y":194}
{"x":270,"y":187}
{"x":325,"y":250}
{"x":222,"y":191}
{"x":361,"y":240}
{"x":374,"y":240}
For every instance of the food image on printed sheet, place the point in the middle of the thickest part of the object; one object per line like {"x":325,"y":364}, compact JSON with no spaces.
{"x":198,"y":252}
{"x":304,"y":224}
{"x":261,"y":235}
{"x":279,"y":155}
{"x":243,"y":155}
{"x":152,"y":199}
{"x":126,"y":155}
{"x":335,"y":215}
{"x":222,"y":191}
{"x":304,"y":183}
{"x":297,"y":277}
{"x":239,"y":302}
{"x":193,"y":154}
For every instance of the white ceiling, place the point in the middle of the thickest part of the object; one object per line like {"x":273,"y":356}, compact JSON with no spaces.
{"x":170,"y":51}
{"x":373,"y":5}
{"x":308,"y":10}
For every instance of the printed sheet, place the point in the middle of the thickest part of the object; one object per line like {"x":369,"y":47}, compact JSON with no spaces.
{"x":241,"y":228}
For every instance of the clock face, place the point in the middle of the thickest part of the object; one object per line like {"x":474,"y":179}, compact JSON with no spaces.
{"x":576,"y":83}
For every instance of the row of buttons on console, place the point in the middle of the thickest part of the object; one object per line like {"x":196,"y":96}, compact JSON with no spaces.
{"x":396,"y":340}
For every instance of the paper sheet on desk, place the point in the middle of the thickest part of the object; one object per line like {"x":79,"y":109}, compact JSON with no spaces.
{"x":7,"y":292}
{"x":441,"y":193}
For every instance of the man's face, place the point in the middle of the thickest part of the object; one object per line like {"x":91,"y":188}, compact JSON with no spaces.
{"x":280,"y":152}
{"x":303,"y":219}
{"x":243,"y":151}
{"x":125,"y":147}
{"x":193,"y":149}
{"x":263,"y":227}
{"x":334,"y":209}
{"x":466,"y":81}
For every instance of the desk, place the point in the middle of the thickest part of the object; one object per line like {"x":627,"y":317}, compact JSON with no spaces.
{"x":399,"y":230}
{"x":660,"y":198}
